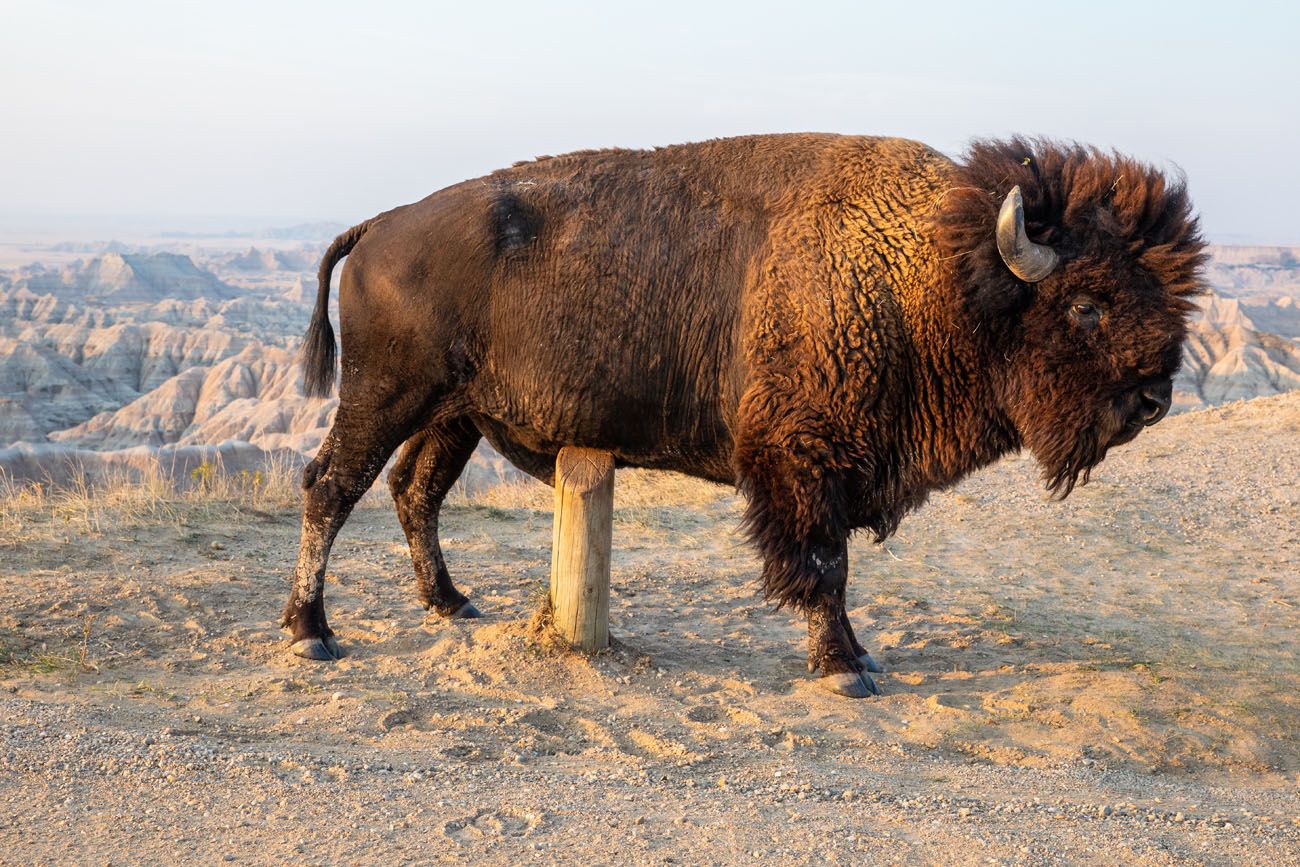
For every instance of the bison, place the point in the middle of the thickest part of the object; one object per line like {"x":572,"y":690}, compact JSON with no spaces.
{"x":835,"y":325}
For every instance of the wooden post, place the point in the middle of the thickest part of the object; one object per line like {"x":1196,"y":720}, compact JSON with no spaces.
{"x":584,"y":511}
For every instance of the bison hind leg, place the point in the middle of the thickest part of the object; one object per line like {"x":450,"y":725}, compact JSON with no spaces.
{"x":428,"y":466}
{"x":351,"y":457}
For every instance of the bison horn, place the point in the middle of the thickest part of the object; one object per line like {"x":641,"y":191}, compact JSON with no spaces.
{"x":1029,"y":261}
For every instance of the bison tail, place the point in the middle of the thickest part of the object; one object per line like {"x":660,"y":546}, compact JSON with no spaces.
{"x":318,"y":348}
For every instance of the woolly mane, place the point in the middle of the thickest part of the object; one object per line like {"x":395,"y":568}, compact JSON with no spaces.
{"x":1081,"y":201}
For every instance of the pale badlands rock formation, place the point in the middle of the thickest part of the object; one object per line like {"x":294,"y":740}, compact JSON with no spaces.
{"x":251,"y":396}
{"x":1227,"y":358}
{"x":1280,"y":316}
{"x":67,"y":357}
{"x":54,"y":375}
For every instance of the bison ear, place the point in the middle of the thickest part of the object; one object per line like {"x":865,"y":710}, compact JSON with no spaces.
{"x":996,"y":301}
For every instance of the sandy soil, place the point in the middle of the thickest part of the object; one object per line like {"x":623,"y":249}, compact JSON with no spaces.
{"x":1111,"y":678}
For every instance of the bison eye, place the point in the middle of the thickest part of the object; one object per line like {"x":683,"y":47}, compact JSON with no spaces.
{"x":1085,"y":311}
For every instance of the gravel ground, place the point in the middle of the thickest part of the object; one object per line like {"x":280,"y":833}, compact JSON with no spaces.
{"x":84,"y":790}
{"x":1111,"y":679}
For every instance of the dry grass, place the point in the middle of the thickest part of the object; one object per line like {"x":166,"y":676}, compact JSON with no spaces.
{"x":88,"y":504}
{"x":92,"y":505}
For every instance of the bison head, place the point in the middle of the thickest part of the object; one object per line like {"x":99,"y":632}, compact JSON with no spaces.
{"x":1078,"y":266}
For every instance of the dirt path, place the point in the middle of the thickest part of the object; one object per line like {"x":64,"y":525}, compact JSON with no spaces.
{"x":1112,"y":677}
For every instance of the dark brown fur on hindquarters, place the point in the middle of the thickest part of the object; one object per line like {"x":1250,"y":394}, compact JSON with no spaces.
{"x":827,"y":322}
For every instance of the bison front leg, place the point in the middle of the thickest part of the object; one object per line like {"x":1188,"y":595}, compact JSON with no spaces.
{"x":833,"y":650}
{"x":868,"y":664}
{"x":794,"y":518}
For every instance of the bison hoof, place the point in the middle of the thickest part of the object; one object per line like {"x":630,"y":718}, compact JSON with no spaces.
{"x":869,"y":664}
{"x":465,"y":612}
{"x":319,"y":649}
{"x":854,"y":684}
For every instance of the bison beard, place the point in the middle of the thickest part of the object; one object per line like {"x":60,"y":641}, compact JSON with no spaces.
{"x":835,"y":325}
{"x":1075,"y":467}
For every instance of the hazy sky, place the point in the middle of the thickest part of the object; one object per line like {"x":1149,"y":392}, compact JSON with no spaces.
{"x":234,"y":113}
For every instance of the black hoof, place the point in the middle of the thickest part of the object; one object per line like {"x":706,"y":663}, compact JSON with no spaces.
{"x":465,"y":612}
{"x":869,"y":664}
{"x":853,"y":684}
{"x":319,"y":649}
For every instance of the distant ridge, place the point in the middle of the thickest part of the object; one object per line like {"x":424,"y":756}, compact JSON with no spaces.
{"x":256,"y":259}
{"x":1262,"y":272}
{"x":318,"y":231}
{"x":321,"y":230}
{"x":127,"y":278}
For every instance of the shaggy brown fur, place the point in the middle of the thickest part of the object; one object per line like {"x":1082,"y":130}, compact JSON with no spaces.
{"x":823,"y":321}
{"x":1129,"y":241}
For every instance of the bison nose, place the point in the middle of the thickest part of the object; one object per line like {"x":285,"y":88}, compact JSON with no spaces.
{"x":1155,"y":401}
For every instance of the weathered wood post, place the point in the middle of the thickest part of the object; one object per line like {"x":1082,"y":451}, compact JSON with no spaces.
{"x":584,"y":512}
